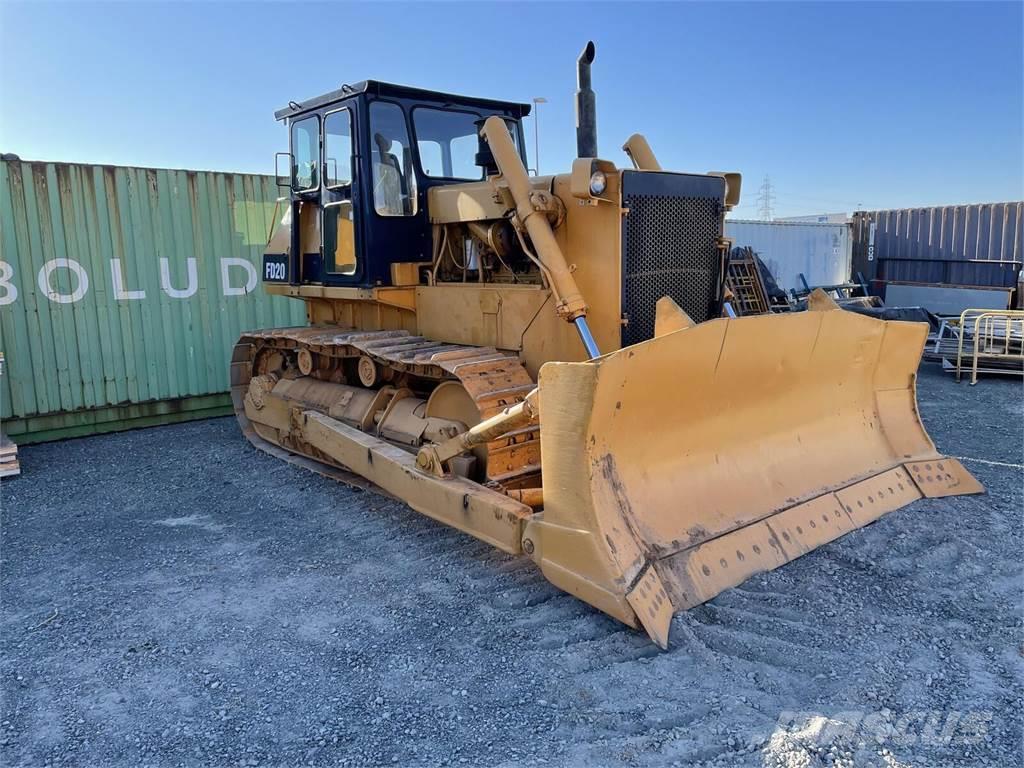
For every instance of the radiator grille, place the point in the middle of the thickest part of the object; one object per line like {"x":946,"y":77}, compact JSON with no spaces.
{"x":669,"y":249}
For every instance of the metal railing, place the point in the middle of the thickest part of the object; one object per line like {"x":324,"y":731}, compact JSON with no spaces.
{"x":995,"y":335}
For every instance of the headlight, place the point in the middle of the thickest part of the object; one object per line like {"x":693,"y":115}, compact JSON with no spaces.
{"x":598,"y":182}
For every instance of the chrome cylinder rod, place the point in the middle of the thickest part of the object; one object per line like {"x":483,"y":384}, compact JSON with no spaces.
{"x":585,"y":336}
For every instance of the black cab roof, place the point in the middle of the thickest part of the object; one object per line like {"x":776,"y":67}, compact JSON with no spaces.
{"x":378,"y":88}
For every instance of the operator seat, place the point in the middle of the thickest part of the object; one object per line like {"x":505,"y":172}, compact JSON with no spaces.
{"x":387,"y":179}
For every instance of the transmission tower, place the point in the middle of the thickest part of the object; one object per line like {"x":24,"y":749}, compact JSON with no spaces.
{"x":766,"y":199}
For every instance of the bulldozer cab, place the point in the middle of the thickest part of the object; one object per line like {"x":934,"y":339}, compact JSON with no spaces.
{"x":360,"y":163}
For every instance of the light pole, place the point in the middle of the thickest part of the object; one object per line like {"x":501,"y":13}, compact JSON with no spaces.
{"x":537,"y":101}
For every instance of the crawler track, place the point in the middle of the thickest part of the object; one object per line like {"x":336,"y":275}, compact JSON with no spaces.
{"x":493,"y":379}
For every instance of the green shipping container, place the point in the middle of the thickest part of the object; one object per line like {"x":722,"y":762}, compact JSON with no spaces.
{"x":122,"y":292}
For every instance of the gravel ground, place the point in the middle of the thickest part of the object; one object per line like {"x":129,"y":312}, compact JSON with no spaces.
{"x":173,"y":597}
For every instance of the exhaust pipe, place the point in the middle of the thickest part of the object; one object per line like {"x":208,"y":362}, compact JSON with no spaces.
{"x":586,"y":105}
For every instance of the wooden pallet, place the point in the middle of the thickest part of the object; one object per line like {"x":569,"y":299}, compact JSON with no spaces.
{"x":743,"y":278}
{"x":9,"y":465}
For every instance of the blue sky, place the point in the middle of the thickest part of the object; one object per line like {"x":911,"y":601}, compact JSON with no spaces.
{"x":869,"y":104}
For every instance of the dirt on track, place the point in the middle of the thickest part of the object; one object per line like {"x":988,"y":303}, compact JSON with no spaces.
{"x":173,"y":597}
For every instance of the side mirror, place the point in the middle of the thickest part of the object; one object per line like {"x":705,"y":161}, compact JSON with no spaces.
{"x":284,"y":179}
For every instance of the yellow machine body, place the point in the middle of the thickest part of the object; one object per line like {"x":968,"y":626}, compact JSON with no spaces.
{"x":644,"y":478}
{"x":519,"y":317}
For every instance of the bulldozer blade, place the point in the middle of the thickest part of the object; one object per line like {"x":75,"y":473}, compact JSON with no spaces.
{"x":679,"y":467}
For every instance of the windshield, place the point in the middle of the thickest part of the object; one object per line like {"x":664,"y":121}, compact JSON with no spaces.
{"x":447,"y":142}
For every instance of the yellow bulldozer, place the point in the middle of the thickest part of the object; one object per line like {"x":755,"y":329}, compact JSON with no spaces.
{"x":549,"y":364}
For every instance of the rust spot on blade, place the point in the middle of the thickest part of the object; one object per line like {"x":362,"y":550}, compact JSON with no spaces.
{"x":695,"y":535}
{"x":610,"y":472}
{"x":627,"y":551}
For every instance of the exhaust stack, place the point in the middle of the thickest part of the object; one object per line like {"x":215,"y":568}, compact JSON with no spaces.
{"x":586,"y":105}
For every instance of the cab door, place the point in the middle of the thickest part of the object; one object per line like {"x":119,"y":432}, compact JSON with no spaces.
{"x":397,"y":228}
{"x":339,"y":226}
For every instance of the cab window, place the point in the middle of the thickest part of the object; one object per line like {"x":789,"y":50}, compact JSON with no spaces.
{"x":394,"y":183}
{"x":447,"y":141}
{"x":305,"y":154}
{"x":338,"y":149}
{"x":339,"y":238}
{"x":431,"y":157}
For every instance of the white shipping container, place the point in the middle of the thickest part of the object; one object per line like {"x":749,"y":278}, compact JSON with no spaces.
{"x":822,"y":252}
